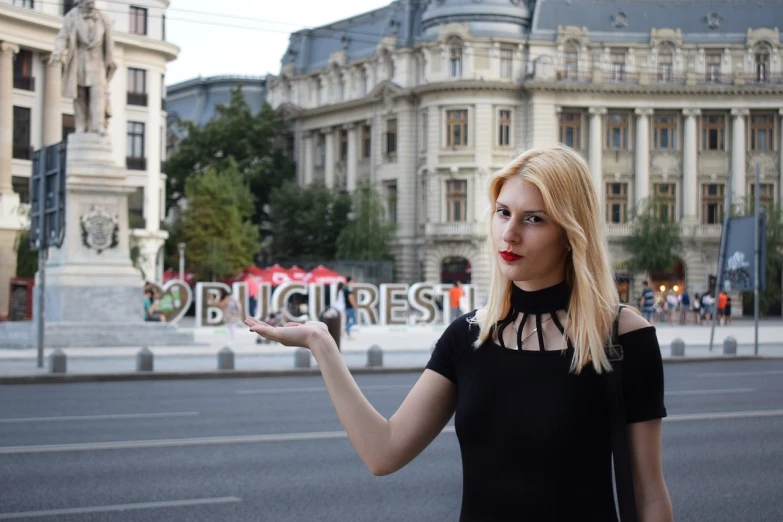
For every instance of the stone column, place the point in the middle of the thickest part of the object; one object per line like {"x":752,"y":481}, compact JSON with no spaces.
{"x":596,"y":152}
{"x":642,"y":188}
{"x":153,"y":152}
{"x":738,"y":147}
{"x":7,"y":52}
{"x":52,"y":113}
{"x":350,"y":178}
{"x":690,"y":174}
{"x":780,"y":165}
{"x":307,"y":140}
{"x":329,"y":160}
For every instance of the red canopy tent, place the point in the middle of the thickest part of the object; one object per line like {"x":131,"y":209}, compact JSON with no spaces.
{"x":323,"y":275}
{"x":296,"y":273}
{"x":275,"y":275}
{"x":168,"y":275}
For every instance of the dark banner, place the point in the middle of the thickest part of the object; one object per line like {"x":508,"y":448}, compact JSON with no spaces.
{"x":739,"y":270}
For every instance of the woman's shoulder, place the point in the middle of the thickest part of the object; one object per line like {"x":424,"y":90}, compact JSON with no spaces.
{"x":631,"y":321}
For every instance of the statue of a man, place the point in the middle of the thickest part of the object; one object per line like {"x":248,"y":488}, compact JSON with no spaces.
{"x":85,"y":45}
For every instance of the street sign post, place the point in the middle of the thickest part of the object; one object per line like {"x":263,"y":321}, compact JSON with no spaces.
{"x":47,"y":218}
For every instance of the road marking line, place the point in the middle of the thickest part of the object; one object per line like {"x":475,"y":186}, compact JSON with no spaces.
{"x":316,"y":389}
{"x":119,"y":507}
{"x":708,"y":392}
{"x":293,"y":437}
{"x":101,"y":417}
{"x":740,"y":374}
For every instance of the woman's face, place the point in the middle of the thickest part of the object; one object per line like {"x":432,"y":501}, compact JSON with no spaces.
{"x":531,"y":249}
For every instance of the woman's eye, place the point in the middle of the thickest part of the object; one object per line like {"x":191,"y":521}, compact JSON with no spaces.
{"x":502,"y":211}
{"x":534,"y":219}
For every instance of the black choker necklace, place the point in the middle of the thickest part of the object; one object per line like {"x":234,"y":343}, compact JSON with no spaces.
{"x":538,"y":302}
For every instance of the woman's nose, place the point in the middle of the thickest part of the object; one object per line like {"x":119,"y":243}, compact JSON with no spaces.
{"x":510,"y":234}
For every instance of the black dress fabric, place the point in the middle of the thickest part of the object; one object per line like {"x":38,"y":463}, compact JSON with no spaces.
{"x":534,"y":437}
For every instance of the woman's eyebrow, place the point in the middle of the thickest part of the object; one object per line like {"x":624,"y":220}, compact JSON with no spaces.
{"x":501,"y":204}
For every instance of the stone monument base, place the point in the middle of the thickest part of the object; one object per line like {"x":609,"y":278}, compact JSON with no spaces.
{"x":22,"y":335}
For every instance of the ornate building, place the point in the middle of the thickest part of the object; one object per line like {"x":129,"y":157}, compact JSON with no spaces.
{"x":33,"y":114}
{"x":426,"y":99}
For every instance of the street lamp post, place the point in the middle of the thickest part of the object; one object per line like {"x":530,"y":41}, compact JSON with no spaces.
{"x":181,"y":247}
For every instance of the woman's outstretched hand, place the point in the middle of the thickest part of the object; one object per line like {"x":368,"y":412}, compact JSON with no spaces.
{"x":292,"y":334}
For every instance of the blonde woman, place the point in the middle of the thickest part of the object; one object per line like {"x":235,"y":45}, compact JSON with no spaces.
{"x":526,"y":373}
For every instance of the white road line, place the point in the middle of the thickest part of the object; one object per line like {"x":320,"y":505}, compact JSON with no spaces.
{"x":275,"y":391}
{"x":709,"y":392}
{"x":119,"y":507}
{"x":100,"y":417}
{"x":740,"y":374}
{"x":293,"y":437}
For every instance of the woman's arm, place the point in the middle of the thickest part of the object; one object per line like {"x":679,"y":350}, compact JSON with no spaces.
{"x":384,"y":445}
{"x":652,"y":497}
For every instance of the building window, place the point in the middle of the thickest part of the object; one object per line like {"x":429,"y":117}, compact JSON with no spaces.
{"x":391,"y":136}
{"x":713,"y":67}
{"x":455,"y":56}
{"x":135,"y":147}
{"x":137,"y":87}
{"x":343,"y":146}
{"x":762,"y":132}
{"x":618,"y":66}
{"x":571,"y":129}
{"x":665,"y":200}
{"x":664,"y":132}
{"x":390,"y":194}
{"x":21,"y":134}
{"x":424,"y":130}
{"x":163,"y":27}
{"x":29,"y":4}
{"x":456,"y":200}
{"x":506,"y":63}
{"x":666,"y":65}
{"x":68,"y":125}
{"x":571,"y":63}
{"x":136,"y":209}
{"x":504,"y":128}
{"x":457,"y":128}
{"x":616,"y":202}
{"x":366,"y":141}
{"x":138,"y":20}
{"x":713,"y":130}
{"x":766,"y":196}
{"x":761,"y":65}
{"x":23,"y":71}
{"x":320,"y":150}
{"x":712,"y":204}
{"x":67,"y":6}
{"x":617,"y":131}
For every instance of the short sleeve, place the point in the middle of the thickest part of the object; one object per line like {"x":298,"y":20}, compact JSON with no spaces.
{"x":642,"y":376}
{"x":457,"y":338}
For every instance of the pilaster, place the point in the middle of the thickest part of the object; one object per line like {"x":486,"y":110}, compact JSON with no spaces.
{"x":690,"y":175}
{"x":642,"y":188}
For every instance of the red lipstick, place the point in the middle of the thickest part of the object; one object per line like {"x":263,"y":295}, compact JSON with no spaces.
{"x":510,"y":257}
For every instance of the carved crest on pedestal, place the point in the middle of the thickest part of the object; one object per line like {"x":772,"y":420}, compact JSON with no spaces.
{"x":99,"y":229}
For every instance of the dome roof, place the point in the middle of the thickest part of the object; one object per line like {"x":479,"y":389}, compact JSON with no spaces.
{"x":476,"y":12}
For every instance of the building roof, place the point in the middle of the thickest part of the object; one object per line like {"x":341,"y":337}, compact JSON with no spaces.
{"x":196,"y":100}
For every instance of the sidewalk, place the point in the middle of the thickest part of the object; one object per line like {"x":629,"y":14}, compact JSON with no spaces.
{"x":403,"y":346}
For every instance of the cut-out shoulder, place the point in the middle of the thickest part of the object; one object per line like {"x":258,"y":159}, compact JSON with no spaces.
{"x":630,"y":321}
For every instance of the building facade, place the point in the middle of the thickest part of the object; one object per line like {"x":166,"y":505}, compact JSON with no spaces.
{"x":426,"y":99}
{"x":33,"y":114}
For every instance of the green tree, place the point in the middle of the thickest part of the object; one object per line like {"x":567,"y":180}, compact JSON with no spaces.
{"x":771,"y":295}
{"x":256,"y":144}
{"x":221,"y":239}
{"x":654,"y":243}
{"x":368,"y":236}
{"x":26,"y":259}
{"x":306,"y":222}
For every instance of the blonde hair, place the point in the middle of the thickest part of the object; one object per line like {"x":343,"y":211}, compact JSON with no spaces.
{"x":570,"y":201}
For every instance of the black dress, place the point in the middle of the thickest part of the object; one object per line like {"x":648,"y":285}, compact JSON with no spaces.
{"x":535,"y":438}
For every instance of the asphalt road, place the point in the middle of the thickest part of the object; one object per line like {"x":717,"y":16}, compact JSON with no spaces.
{"x":273,"y":450}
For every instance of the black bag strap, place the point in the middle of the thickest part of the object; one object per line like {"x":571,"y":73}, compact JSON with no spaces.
{"x":621,"y":453}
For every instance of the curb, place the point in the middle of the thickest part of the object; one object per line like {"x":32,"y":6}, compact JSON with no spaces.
{"x":49,"y":378}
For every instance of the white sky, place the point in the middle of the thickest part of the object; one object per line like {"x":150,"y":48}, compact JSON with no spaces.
{"x":244,"y":36}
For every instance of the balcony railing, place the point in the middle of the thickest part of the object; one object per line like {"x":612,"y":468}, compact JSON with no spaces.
{"x":23,"y":153}
{"x":455,"y":230}
{"x":620,"y":230}
{"x":135,"y":98}
{"x":574,"y":75}
{"x":26,"y":83}
{"x":134,"y":163}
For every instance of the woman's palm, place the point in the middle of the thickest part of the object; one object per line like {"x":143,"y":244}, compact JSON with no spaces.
{"x":292,"y":334}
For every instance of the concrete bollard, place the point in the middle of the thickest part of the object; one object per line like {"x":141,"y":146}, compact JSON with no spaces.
{"x":144,"y":360}
{"x":729,"y":346}
{"x":678,"y":348}
{"x":58,"y":362}
{"x":374,"y":356}
{"x":302,"y":358}
{"x":225,"y":359}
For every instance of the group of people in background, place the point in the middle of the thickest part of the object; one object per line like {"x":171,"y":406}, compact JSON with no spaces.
{"x":699,"y":309}
{"x":151,"y":304}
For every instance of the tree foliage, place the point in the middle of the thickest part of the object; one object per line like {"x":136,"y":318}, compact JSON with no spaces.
{"x":26,"y":259}
{"x":368,"y":236}
{"x":654,"y":243}
{"x":256,"y":144}
{"x":306,"y":222}
{"x":771,"y":295}
{"x":221,"y":240}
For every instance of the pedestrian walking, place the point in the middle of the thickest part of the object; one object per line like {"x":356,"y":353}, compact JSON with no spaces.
{"x":648,"y":302}
{"x":707,"y":302}
{"x":671,"y":305}
{"x":455,"y":294}
{"x":722,"y":298}
{"x":532,"y":368}
{"x":684,"y":303}
{"x":339,"y":305}
{"x":727,"y":311}
{"x":232,"y":311}
{"x":696,"y":309}
{"x":350,"y":307}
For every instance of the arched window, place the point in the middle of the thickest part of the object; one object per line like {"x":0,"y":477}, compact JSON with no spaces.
{"x":571,"y":61}
{"x":666,"y":63}
{"x":761,"y":56}
{"x":455,"y":57}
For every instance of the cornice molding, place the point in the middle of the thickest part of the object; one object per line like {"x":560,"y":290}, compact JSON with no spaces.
{"x":616,"y":88}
